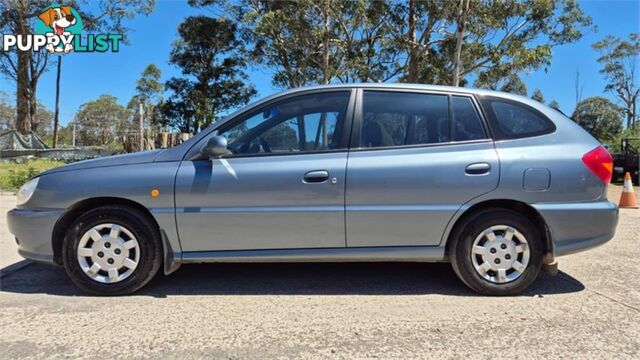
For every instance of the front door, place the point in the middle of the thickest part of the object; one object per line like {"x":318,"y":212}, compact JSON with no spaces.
{"x":420,"y":158}
{"x":281,"y":186}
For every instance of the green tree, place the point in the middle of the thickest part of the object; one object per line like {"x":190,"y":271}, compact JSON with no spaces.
{"x":619,"y":59}
{"x":537,"y":96}
{"x":7,"y":112}
{"x":513,"y":84}
{"x":365,"y":33}
{"x":43,"y":124}
{"x":278,"y":37}
{"x":554,"y":104}
{"x":511,"y":36}
{"x":23,"y":67}
{"x":102,"y":122}
{"x":423,"y":29}
{"x":65,"y":135}
{"x":309,"y":41}
{"x":447,"y":42}
{"x":438,"y":41}
{"x":149,"y":88}
{"x":600,"y":117}
{"x":148,"y":95}
{"x":208,"y":53}
{"x":26,"y":67}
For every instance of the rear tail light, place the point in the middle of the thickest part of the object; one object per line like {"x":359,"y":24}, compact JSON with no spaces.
{"x":600,"y":162}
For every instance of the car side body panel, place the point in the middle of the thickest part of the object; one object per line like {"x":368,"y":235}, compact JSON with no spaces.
{"x":574,"y":205}
{"x":545,"y":172}
{"x":406,"y":197}
{"x":250,"y":203}
{"x":59,"y":191}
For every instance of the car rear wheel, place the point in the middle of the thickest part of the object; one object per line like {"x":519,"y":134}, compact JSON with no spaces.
{"x":112,"y":250}
{"x":497,"y":252}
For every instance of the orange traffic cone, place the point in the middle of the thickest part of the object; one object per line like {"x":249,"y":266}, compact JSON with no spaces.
{"x":628,"y":198}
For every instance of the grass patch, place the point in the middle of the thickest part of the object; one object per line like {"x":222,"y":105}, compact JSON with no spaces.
{"x":14,"y":175}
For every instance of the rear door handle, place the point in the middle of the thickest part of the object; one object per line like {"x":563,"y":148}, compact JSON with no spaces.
{"x":317,"y":176}
{"x":477,"y":168}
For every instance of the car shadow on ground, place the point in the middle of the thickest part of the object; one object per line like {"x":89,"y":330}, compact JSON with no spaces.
{"x":286,"y":279}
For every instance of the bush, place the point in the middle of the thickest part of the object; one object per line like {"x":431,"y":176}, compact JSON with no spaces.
{"x":614,"y":145}
{"x":13,"y":175}
{"x":17,"y":178}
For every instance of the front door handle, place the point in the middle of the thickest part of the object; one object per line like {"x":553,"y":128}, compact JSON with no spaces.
{"x":317,"y":176}
{"x":477,"y":168}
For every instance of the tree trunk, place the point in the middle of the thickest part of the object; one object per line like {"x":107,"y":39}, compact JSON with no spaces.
{"x":633,"y":122}
{"x":462,"y":18}
{"x":325,"y":55}
{"x":33,"y":104}
{"x":141,"y":125}
{"x":412,"y":71}
{"x":631,"y":116}
{"x":56,"y":116}
{"x":23,"y":121}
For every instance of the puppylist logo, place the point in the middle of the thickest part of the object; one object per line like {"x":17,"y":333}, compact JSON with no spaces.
{"x":59,"y":30}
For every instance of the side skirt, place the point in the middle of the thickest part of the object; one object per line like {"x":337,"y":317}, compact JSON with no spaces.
{"x":360,"y":254}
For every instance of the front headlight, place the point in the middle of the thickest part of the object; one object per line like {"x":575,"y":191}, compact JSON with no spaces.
{"x":26,"y":191}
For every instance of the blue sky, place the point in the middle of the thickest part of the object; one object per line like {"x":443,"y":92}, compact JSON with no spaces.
{"x":85,"y":76}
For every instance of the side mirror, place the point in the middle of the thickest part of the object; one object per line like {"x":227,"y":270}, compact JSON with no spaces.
{"x":215,"y":147}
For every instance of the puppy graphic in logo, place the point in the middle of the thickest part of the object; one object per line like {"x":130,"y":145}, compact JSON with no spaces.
{"x":58,"y":19}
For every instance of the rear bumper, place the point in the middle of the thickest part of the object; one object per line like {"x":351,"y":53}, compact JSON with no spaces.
{"x":579,"y":226}
{"x":33,"y":230}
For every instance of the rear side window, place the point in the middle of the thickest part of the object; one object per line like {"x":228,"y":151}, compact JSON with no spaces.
{"x":397,"y":119}
{"x":466,"y":121}
{"x":510,"y":120}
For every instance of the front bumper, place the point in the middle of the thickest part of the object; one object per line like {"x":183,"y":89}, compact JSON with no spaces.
{"x":579,"y":226}
{"x":33,"y":230}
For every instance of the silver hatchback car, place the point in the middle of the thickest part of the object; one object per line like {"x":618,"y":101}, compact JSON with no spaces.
{"x":498,"y":185}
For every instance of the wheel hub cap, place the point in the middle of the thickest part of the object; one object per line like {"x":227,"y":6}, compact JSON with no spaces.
{"x":108,"y":253}
{"x":500,"y":254}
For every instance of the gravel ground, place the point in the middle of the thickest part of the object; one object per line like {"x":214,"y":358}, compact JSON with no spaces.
{"x":590,"y":309}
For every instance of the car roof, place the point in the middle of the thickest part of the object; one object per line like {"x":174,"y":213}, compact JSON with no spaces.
{"x":404,"y":86}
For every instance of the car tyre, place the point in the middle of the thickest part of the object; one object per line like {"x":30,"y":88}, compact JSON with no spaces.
{"x":130,"y":223}
{"x":471,"y":247}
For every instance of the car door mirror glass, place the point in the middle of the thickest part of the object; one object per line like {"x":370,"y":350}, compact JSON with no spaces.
{"x":215,"y":147}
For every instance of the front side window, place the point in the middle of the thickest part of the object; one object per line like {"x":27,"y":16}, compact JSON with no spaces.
{"x":305,"y":123}
{"x":397,"y":119}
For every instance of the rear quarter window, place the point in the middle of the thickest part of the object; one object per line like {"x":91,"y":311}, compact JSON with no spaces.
{"x":513,"y":120}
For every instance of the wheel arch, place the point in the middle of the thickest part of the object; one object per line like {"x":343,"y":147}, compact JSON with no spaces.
{"x":518,"y":206}
{"x":75,"y":210}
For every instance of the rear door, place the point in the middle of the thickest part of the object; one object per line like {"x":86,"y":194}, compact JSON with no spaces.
{"x":416,"y":158}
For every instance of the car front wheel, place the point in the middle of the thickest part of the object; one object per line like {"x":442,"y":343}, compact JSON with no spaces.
{"x":112,"y":250}
{"x":497,"y":252}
